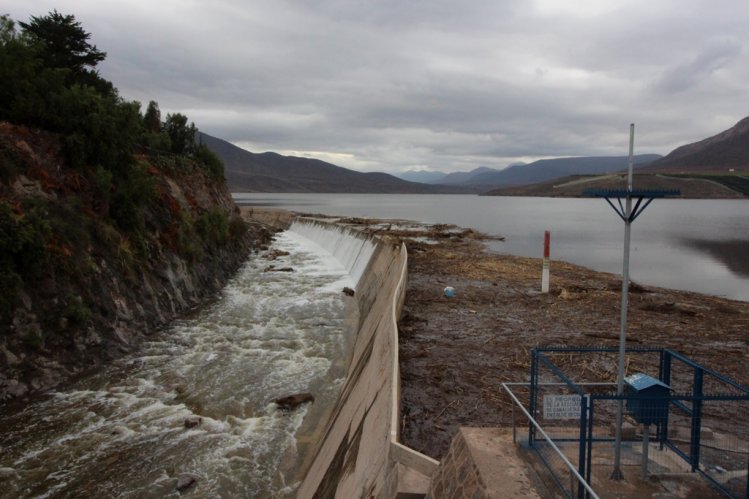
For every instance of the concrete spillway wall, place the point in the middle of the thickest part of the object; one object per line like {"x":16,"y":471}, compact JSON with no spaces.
{"x":352,"y":249}
{"x":358,"y":453}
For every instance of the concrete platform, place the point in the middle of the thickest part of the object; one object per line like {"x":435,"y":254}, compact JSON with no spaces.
{"x":485,"y":463}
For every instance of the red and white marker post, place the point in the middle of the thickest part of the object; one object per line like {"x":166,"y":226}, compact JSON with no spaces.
{"x":545,"y":273}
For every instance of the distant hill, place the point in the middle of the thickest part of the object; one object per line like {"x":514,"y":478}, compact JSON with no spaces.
{"x":271,"y":172}
{"x":728,"y":149}
{"x":690,"y":186}
{"x":456,"y":178}
{"x":425,"y":177}
{"x":550,"y":169}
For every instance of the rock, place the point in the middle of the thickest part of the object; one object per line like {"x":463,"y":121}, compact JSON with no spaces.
{"x":122,"y":335}
{"x":239,"y":453}
{"x":273,"y":254}
{"x":185,"y":481}
{"x":193,"y":421}
{"x":92,"y":338}
{"x":629,"y":432}
{"x":348,"y":291}
{"x":10,"y":358}
{"x":293,"y":401}
{"x":25,"y":299}
{"x":16,"y":389}
{"x":8,"y":473}
{"x":272,"y":268}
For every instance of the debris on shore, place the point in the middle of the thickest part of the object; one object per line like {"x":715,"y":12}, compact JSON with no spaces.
{"x":455,"y":352}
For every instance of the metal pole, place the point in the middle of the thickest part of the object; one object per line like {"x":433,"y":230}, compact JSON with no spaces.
{"x":645,"y":449}
{"x":617,"y":474}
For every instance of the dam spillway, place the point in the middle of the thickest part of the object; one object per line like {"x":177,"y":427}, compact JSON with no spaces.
{"x":130,"y":430}
{"x":123,"y":431}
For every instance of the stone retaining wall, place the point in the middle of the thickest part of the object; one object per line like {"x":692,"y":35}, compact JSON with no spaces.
{"x":484,"y":463}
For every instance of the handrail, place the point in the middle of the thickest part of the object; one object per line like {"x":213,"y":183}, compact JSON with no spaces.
{"x":566,"y":461}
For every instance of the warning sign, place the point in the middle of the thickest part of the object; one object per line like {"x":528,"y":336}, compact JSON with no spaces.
{"x":561,"y":406}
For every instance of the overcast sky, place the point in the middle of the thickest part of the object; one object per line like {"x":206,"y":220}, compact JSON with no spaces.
{"x":392,"y":85}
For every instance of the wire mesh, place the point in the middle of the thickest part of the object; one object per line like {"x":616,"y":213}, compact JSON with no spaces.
{"x":557,"y":460}
{"x":689,"y":419}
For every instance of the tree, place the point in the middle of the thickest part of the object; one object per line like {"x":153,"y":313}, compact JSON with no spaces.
{"x":7,"y":29}
{"x":180,"y":133}
{"x":65,"y":42}
{"x":152,"y":118}
{"x":65,"y":46}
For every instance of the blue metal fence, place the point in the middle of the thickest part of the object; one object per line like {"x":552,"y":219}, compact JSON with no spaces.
{"x":698,"y":401}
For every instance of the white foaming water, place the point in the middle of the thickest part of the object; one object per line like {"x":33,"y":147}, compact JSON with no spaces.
{"x":353,"y":250}
{"x":121,"y":432}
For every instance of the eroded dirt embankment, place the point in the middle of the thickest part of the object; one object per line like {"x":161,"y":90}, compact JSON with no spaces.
{"x":454,"y":353}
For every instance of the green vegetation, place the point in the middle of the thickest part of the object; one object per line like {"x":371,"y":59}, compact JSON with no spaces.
{"x":50,"y":81}
{"x":110,"y":200}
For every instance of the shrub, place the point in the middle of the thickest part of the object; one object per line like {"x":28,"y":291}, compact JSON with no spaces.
{"x":210,"y":162}
{"x":10,"y":283}
{"x":133,"y":194}
{"x":77,"y":312}
{"x":33,"y":337}
{"x":237,"y":229}
{"x":213,"y":227}
{"x":24,"y":241}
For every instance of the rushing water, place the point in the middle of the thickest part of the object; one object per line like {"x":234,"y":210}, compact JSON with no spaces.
{"x":698,"y":245}
{"x":121,"y":432}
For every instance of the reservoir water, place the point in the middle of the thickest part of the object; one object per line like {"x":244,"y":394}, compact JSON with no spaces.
{"x":127,"y":431}
{"x":698,"y":245}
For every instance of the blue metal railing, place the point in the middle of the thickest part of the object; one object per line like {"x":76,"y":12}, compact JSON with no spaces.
{"x":690,"y":404}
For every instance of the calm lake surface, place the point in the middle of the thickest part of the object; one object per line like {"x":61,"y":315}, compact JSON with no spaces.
{"x":692,"y":244}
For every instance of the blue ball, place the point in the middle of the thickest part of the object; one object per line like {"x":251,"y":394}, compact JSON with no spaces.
{"x":449,"y":292}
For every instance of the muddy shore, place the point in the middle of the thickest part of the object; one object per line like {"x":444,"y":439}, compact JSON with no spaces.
{"x":455,"y":352}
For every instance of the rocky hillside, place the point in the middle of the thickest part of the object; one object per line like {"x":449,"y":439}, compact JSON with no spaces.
{"x":89,"y":267}
{"x":112,"y":221}
{"x":726,"y":151}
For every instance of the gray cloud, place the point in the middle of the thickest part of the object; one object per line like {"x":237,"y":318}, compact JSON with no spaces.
{"x":390,"y":85}
{"x":710,"y":59}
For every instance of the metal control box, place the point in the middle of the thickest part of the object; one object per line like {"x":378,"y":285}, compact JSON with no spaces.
{"x":650,"y":404}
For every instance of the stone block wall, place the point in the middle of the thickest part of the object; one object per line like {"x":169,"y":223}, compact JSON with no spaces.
{"x":484,"y":463}
{"x":458,"y":477}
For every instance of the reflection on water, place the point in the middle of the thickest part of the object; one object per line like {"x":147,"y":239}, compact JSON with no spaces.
{"x":732,"y":253}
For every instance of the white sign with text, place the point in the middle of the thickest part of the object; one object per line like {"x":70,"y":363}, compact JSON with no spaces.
{"x":561,"y":406}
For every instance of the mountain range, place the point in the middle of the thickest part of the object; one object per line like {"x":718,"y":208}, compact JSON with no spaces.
{"x":722,"y":152}
{"x":547,"y":169}
{"x":716,"y":167}
{"x":245,"y":171}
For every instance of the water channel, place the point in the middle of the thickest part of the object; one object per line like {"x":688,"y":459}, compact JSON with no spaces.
{"x":123,"y":431}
